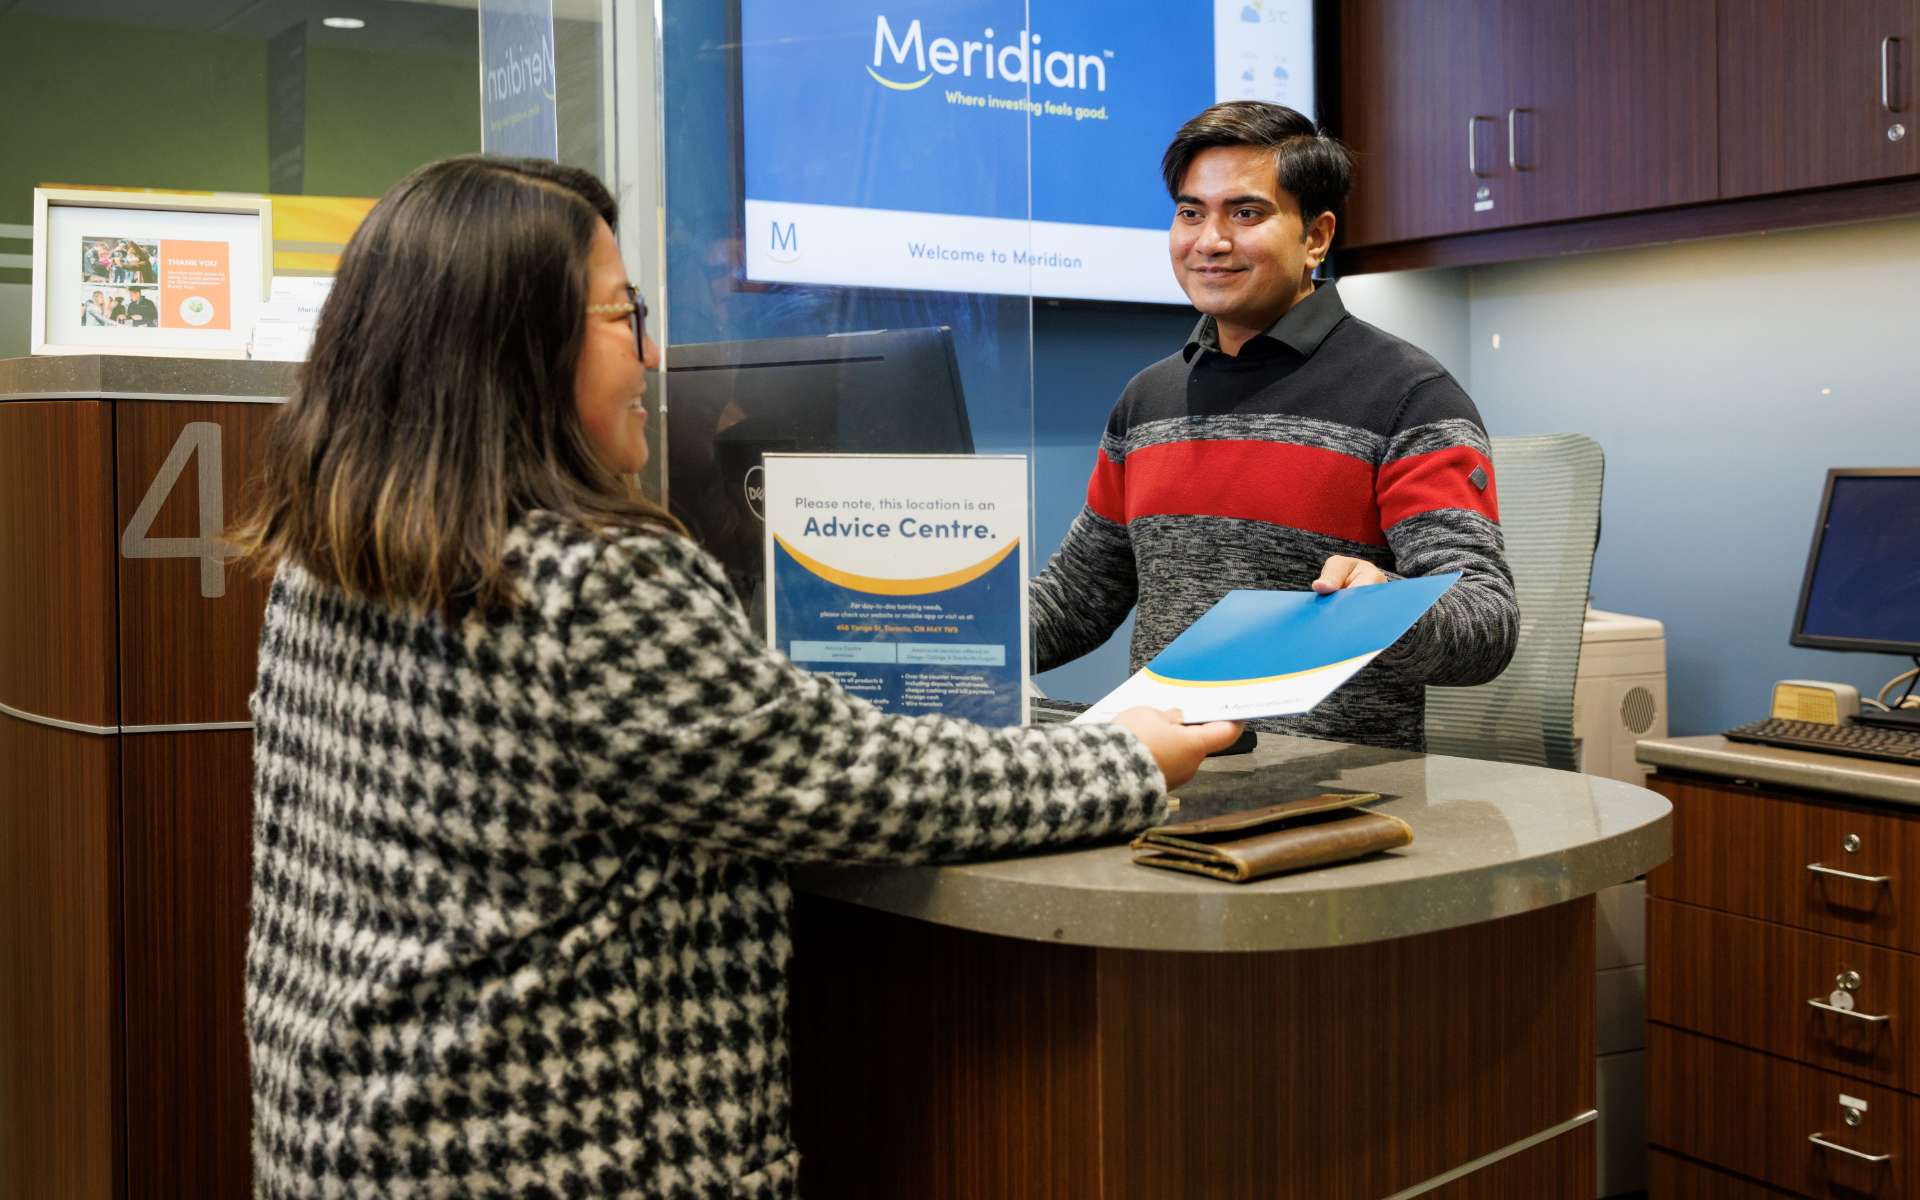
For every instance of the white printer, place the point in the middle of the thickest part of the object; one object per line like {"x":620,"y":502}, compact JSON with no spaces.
{"x":1620,"y":694}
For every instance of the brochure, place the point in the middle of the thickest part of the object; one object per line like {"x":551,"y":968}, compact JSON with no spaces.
{"x":1273,"y":654}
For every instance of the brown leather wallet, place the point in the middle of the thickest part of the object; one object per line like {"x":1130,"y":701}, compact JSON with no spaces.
{"x":1239,"y":846}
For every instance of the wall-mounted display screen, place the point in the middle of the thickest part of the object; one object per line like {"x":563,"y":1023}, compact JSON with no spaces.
{"x":989,"y":145}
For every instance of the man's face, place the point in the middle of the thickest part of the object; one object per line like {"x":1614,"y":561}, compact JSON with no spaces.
{"x":1238,"y":244}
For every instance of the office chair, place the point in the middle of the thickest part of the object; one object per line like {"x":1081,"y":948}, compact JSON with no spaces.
{"x":1549,"y":493}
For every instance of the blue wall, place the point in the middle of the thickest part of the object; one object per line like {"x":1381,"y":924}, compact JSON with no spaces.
{"x":1723,"y":378}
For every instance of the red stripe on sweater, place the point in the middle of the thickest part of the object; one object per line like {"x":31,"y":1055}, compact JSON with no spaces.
{"x":1107,"y":489}
{"x":1423,"y":483}
{"x":1296,"y":487}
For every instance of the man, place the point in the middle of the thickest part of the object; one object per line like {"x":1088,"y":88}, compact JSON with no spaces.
{"x":1287,"y":445}
{"x":141,"y":312}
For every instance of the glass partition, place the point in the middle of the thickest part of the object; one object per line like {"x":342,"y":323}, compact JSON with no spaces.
{"x":842,"y":272}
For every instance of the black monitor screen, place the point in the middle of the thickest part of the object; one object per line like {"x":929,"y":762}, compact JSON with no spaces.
{"x":893,"y":391}
{"x":1862,"y":589}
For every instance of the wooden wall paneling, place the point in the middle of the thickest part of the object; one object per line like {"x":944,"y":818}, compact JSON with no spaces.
{"x":1352,"y":1072}
{"x":186,"y":656}
{"x":1749,"y":981}
{"x":188,"y":837}
{"x":1800,"y":93}
{"x":1671,"y":1177}
{"x":1751,"y":1113}
{"x":57,"y":614}
{"x":1408,"y":83}
{"x":1643,"y":122}
{"x":60,"y":970}
{"x":940,"y":1064}
{"x":1746,"y":850}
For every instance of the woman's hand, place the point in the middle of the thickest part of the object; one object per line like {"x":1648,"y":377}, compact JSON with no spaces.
{"x":1176,"y":747}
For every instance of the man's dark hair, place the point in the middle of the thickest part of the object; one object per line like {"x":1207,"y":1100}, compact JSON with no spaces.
{"x":1313,"y":166}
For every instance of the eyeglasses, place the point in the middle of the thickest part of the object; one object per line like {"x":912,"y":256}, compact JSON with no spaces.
{"x":635,"y":309}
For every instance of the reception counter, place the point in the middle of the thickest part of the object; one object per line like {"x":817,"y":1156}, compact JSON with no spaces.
{"x":1061,"y":1025}
{"x":1419,"y":1022}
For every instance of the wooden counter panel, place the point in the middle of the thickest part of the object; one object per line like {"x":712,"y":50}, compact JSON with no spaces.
{"x":57,"y":548}
{"x":1541,"y":1171}
{"x":186,"y":656}
{"x":1748,"y":981}
{"x":932,"y":1062}
{"x":187,"y":816}
{"x":1351,"y":1072}
{"x":940,"y":1064}
{"x":1751,"y":1113}
{"x":1746,"y":850}
{"x":60,"y":980}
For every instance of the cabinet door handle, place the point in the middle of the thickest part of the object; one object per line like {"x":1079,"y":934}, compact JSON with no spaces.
{"x":1823,"y":869}
{"x":1513,"y":138}
{"x":1824,"y":1144}
{"x":1473,"y":146}
{"x":1886,"y":73}
{"x":1874,"y":1018}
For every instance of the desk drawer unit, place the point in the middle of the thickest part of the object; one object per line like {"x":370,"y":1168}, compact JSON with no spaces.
{"x":1783,"y":980}
{"x":1838,"y":868}
{"x":1773,"y":988}
{"x":1758,"y":1116}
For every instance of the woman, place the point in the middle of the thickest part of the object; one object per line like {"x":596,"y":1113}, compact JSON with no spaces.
{"x":524,"y":778}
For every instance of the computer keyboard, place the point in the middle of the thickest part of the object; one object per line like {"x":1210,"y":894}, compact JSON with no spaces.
{"x":1855,"y":741}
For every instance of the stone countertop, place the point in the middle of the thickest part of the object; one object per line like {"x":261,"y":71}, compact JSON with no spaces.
{"x":1851,"y":778}
{"x":141,"y":377}
{"x":1490,"y":840}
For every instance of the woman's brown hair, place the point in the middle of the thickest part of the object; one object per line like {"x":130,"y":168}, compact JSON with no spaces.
{"x":437,"y":404}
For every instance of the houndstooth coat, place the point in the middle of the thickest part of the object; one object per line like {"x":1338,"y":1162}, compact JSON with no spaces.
{"x":519,"y":916}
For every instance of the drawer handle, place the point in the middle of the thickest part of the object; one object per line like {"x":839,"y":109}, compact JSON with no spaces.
{"x":1823,"y":869}
{"x":1824,"y":1144}
{"x":1847,"y":1012}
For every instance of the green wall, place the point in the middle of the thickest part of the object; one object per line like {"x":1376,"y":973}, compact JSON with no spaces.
{"x":371,"y":118}
{"x":196,"y":115}
{"x":190,"y":114}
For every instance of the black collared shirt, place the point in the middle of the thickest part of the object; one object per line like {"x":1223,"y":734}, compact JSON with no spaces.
{"x":1301,"y":329}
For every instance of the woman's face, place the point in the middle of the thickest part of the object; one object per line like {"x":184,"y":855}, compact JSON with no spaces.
{"x":611,"y":380}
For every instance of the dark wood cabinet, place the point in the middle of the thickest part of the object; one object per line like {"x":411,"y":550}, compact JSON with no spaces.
{"x":1409,"y":87}
{"x":1781,"y":985}
{"x":1475,"y":116}
{"x":1598,"y":123}
{"x":1811,"y":94}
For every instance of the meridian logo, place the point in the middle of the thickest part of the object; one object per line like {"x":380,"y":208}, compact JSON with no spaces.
{"x":784,"y":244}
{"x":1017,"y":62}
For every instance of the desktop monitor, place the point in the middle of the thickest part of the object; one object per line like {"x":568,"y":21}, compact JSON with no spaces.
{"x":891,"y":391}
{"x":1862,"y":587}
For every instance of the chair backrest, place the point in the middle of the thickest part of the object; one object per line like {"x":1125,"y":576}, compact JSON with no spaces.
{"x":1549,"y":490}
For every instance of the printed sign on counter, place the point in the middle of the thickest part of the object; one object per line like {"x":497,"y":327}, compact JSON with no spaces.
{"x":903,"y":577}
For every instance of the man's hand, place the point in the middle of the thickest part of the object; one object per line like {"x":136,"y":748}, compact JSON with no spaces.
{"x":1341,"y":571}
{"x":1176,"y":747}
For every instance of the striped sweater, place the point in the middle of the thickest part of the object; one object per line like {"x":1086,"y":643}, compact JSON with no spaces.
{"x":1324,"y":436}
